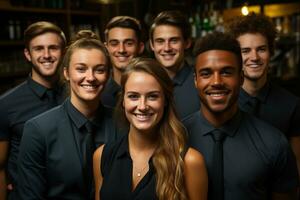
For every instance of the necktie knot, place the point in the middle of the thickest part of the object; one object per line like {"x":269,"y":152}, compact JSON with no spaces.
{"x":218,"y":135}
{"x":89,"y":127}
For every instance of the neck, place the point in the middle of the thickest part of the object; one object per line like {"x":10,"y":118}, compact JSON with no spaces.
{"x":172,"y":71}
{"x":218,"y":119}
{"x":117,"y":75}
{"x":252,"y":87}
{"x":88,"y":109}
{"x":48,"y":82}
{"x":142,"y":142}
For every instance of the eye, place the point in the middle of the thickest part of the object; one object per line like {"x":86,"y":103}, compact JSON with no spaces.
{"x":174,"y":40}
{"x":227,"y":72}
{"x":129,"y":43}
{"x":153,"y":96}
{"x":54,"y":47}
{"x":38,"y":48}
{"x":114,"y":43}
{"x":133,"y":96}
{"x":80,"y":68}
{"x":204,"y":73}
{"x":100,"y":70}
{"x":244,"y":51}
{"x":159,"y":41}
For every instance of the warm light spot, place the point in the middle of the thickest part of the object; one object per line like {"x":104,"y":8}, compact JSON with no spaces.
{"x":245,"y":10}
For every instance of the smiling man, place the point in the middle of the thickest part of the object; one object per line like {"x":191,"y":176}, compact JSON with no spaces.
{"x":169,"y":38}
{"x":260,"y":96}
{"x":123,"y":39}
{"x":246,"y":158}
{"x":44,"y":43}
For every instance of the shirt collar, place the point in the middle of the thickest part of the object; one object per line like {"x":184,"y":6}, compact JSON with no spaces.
{"x":80,"y":120}
{"x":41,"y":90}
{"x":182,"y":74}
{"x":37,"y":88}
{"x":230,"y":127}
{"x":261,"y":96}
{"x":77,"y":117}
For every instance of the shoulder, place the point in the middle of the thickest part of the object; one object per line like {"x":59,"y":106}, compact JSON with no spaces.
{"x":14,"y":93}
{"x":191,"y":119}
{"x":283,"y":96}
{"x":49,"y":118}
{"x":194,"y":159}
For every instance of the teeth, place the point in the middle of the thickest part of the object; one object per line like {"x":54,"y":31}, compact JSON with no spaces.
{"x":142,"y":116}
{"x":89,"y":86}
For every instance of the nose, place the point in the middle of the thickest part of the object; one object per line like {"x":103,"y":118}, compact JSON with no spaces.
{"x":121,"y":47}
{"x":46,"y":53}
{"x":167,"y":46}
{"x":90,"y":75}
{"x":217,"y":80}
{"x":254,"y":55}
{"x":142,"y":104}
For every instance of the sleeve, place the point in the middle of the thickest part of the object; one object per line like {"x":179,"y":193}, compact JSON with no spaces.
{"x":31,"y":183}
{"x":284,"y":175}
{"x":295,"y":119}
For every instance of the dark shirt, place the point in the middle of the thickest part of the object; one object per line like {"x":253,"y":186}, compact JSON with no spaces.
{"x":186,"y":96}
{"x":50,"y":163}
{"x":16,"y":107}
{"x":276,"y":106}
{"x":109,"y":96}
{"x":116,"y":169}
{"x":257,"y":157}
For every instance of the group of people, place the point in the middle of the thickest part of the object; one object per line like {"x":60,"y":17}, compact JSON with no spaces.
{"x":96,"y":120}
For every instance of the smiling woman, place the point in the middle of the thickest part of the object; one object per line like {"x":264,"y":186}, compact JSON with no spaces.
{"x":59,"y":153}
{"x":151,"y":161}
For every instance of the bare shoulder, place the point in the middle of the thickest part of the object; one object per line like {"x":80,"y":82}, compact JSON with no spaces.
{"x":194,"y":158}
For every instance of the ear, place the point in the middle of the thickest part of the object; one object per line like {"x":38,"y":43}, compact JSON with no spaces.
{"x":141,"y":47}
{"x":195,"y":79}
{"x":188,"y":43}
{"x":27,"y":54}
{"x":151,"y":45}
{"x":66,"y":74}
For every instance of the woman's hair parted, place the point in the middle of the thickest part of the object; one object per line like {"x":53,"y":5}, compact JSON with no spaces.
{"x":167,"y":158}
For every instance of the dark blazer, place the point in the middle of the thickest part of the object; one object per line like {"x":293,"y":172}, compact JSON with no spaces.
{"x":49,"y":163}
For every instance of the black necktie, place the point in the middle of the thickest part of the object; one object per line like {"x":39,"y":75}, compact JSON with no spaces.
{"x":51,"y":98}
{"x":88,"y":150}
{"x":217,"y":166}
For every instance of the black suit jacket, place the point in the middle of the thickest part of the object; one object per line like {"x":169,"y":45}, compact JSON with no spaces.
{"x":49,"y":163}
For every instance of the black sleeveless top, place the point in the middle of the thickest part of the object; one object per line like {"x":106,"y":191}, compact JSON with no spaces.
{"x":116,"y":168}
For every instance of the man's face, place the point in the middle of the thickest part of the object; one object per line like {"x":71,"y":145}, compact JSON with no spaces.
{"x":218,"y":79}
{"x":256,"y":56}
{"x":123,"y":46}
{"x":45,"y":52}
{"x":168,"y":46}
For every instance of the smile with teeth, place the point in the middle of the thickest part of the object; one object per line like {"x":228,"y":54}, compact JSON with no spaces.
{"x":143,"y":116}
{"x":89,"y":87}
{"x":122,"y":58}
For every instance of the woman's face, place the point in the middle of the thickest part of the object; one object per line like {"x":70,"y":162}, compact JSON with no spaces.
{"x":143,"y":101}
{"x":87,"y":74}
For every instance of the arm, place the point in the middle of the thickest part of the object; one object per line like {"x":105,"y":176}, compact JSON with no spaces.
{"x":295,"y":144}
{"x":3,"y":157}
{"x":31,"y":163}
{"x":196,"y":179}
{"x":97,"y":171}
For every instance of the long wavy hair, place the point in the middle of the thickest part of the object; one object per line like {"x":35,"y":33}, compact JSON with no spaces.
{"x":167,"y":158}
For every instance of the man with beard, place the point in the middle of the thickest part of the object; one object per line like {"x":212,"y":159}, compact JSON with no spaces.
{"x":259,"y":96}
{"x":246,"y":158}
{"x":123,"y":40}
{"x":169,"y":38}
{"x":44,"y":44}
